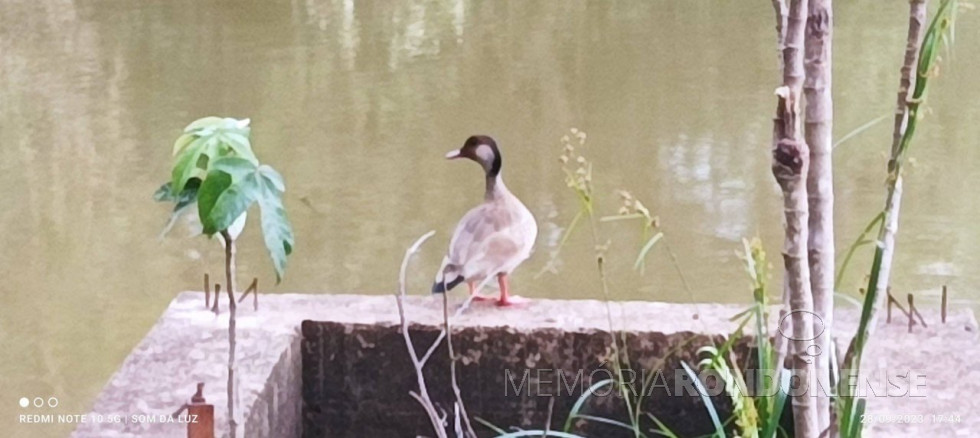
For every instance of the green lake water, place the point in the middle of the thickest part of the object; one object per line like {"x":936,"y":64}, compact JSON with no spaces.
{"x":356,"y":104}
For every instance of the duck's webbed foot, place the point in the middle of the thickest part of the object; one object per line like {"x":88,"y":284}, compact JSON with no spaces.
{"x":476,"y":296}
{"x":506,"y":299}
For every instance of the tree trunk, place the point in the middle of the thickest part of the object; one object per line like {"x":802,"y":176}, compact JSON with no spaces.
{"x":232,"y":306}
{"x":819,"y":115}
{"x":790,"y":165}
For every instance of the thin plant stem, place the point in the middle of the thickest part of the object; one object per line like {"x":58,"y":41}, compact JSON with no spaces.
{"x":232,"y":307}
{"x":452,"y":368}
{"x":423,"y":393}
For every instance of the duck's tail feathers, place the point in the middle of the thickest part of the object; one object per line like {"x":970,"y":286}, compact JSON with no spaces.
{"x":441,"y":286}
{"x":448,"y":278}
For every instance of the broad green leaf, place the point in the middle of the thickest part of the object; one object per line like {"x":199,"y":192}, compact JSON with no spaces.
{"x":274,"y":177}
{"x":177,"y":213}
{"x":182,"y":202}
{"x":237,"y":167}
{"x":240,"y":144}
{"x":276,"y":229}
{"x":216,"y":167}
{"x":204,"y":122}
{"x":206,"y":140}
{"x":216,"y":183}
{"x":231,"y":202}
{"x":163,"y":194}
{"x":188,"y":164}
{"x":182,"y":142}
{"x":213,"y":123}
{"x":186,"y":196}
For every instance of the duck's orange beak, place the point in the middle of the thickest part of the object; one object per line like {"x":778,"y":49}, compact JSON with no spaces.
{"x":452,"y":155}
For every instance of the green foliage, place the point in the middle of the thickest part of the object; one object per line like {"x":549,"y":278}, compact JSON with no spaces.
{"x":708,"y":404}
{"x":205,"y":140}
{"x":861,"y":240}
{"x":215,"y":167}
{"x":577,"y":407}
{"x":745,"y":415}
{"x":755,"y":416}
{"x":182,"y":201}
{"x":860,"y":129}
{"x":579,"y":177}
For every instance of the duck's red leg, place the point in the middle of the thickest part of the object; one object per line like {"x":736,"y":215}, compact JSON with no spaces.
{"x":506,"y":299}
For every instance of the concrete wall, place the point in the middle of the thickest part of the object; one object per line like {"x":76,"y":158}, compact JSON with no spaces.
{"x":336,"y":365}
{"x":356,"y":379}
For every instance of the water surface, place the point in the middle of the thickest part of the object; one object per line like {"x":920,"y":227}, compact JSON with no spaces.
{"x":357,"y":103}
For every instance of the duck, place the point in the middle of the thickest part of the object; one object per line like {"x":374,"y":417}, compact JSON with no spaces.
{"x":493,"y":238}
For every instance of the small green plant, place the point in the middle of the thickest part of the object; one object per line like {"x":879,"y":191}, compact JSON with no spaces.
{"x":578,"y":172}
{"x":578,"y":177}
{"x":216,"y":171}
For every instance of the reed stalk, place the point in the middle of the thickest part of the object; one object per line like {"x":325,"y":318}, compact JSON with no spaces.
{"x":921,"y":57}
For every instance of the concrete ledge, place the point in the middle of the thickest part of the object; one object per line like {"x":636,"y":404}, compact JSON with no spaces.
{"x":345,"y":372}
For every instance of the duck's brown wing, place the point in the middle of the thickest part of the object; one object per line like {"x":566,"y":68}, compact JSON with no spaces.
{"x":484,"y":240}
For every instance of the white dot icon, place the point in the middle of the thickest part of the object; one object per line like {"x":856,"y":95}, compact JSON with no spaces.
{"x":24,"y":402}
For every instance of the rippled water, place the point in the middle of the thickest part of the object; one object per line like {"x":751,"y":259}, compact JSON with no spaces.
{"x":357,"y":103}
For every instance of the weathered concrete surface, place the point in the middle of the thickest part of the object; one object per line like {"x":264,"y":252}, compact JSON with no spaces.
{"x":189,"y":345}
{"x":943,"y":359}
{"x":355,"y":363}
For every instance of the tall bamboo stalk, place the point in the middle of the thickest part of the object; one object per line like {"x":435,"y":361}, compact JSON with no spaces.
{"x":881,"y":266}
{"x":921,"y":55}
{"x":790,"y":165}
{"x":819,"y":116}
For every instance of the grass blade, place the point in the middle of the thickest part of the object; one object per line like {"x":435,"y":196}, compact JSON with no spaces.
{"x":646,"y":248}
{"x":848,"y":298}
{"x":772,"y":422}
{"x":621,"y":217}
{"x":857,"y":131}
{"x":662,"y":428}
{"x":539,"y":433}
{"x":581,"y":401}
{"x":490,"y":425}
{"x":708,"y":404}
{"x":860,"y":241}
{"x":610,"y":422}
